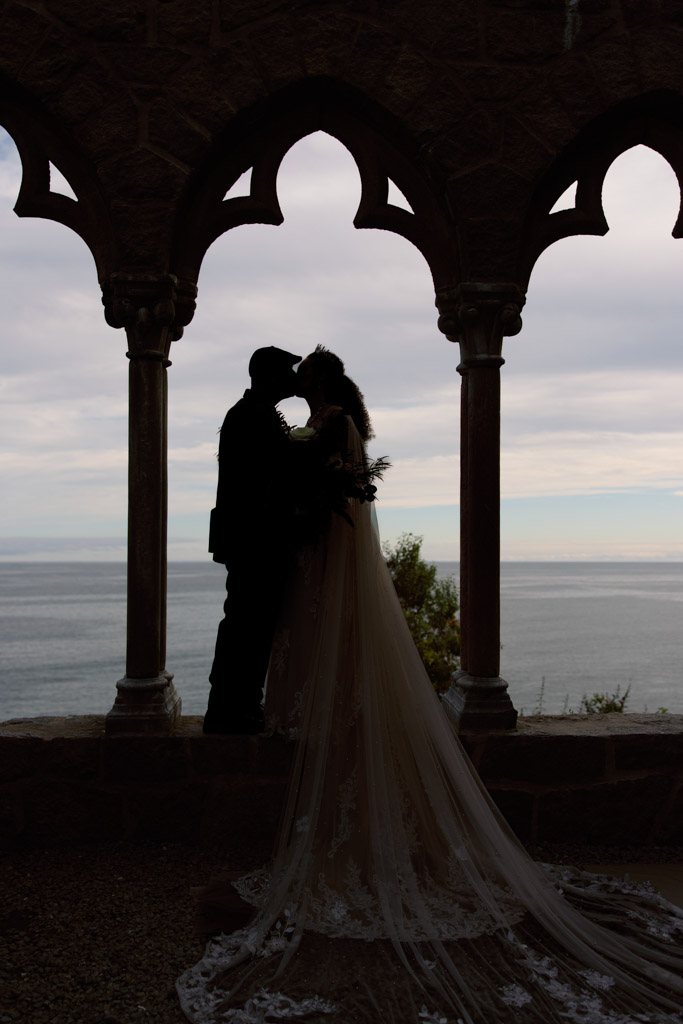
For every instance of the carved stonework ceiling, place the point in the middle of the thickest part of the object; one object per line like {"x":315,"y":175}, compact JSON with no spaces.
{"x":213,"y":204}
{"x":481,"y":113}
{"x":253,"y":198}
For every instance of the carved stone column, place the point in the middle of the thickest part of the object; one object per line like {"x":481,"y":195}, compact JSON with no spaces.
{"x":478,"y":316}
{"x":153,"y":310}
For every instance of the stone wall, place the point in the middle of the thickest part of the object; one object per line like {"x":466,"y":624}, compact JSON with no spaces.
{"x":559,"y":779}
{"x":604,"y":779}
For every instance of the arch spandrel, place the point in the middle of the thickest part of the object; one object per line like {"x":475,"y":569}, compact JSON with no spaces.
{"x":40,"y":144}
{"x":260,"y":141}
{"x":654,"y":120}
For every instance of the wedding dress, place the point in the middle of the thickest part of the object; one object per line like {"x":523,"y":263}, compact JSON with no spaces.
{"x":397,"y":893}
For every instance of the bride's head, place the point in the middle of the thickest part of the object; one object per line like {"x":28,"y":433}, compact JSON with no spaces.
{"x":322,"y":374}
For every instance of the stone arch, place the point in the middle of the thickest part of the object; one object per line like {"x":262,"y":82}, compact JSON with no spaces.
{"x":260,"y":138}
{"x":39,"y":144}
{"x":654,"y":120}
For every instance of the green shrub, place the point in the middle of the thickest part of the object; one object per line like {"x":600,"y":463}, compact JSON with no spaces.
{"x":604,"y":703}
{"x":429,"y":605}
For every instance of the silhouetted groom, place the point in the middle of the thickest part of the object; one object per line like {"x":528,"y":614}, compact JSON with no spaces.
{"x":251,"y":534}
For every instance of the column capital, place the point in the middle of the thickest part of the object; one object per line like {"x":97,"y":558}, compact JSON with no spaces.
{"x":478,"y":316}
{"x":153,"y":308}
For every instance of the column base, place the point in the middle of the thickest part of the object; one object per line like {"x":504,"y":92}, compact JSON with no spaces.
{"x":479,"y":703}
{"x":144,"y":706}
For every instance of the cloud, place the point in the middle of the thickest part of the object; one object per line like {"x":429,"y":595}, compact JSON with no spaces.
{"x":613,"y":525}
{"x":590,"y":399}
{"x":412,"y":483}
{"x":574,"y":462}
{"x":591,"y":432}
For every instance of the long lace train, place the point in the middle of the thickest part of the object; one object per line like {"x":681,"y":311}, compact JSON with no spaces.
{"x":397,"y":893}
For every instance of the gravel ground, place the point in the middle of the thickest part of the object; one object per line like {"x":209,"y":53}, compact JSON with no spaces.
{"x":97,"y":934}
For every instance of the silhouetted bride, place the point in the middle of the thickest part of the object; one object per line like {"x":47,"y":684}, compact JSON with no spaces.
{"x":397,"y":893}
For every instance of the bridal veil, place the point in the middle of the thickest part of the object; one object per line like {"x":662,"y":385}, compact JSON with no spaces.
{"x":397,"y":893}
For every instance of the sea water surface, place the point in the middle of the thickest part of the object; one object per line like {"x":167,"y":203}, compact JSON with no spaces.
{"x":567,"y":629}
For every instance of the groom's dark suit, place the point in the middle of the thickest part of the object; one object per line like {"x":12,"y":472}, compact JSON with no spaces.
{"x":251,"y":533}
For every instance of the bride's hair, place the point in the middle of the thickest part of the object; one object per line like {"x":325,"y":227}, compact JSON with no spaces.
{"x":340,"y":389}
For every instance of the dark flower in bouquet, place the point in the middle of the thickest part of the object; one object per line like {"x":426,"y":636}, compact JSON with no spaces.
{"x":343,"y":479}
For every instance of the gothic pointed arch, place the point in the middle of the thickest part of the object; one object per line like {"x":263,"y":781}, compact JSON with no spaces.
{"x":654,"y":120}
{"x":40,"y":143}
{"x":259,"y":139}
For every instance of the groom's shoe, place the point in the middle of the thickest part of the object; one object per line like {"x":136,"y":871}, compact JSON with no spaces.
{"x":237,"y":725}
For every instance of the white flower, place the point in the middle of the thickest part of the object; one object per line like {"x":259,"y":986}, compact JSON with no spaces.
{"x":595,"y":980}
{"x":515,"y":995}
{"x":302,"y":433}
{"x":338,"y":911}
{"x":431,"y":1018}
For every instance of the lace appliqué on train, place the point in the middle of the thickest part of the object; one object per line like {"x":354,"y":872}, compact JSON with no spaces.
{"x":650,"y":912}
{"x":352,"y":909}
{"x":269,"y":1006}
{"x":576,"y":1005}
{"x":347,"y":805}
{"x":280,"y":650}
{"x":208,"y":1003}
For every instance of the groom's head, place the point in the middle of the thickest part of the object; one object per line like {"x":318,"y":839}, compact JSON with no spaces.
{"x":272,"y":374}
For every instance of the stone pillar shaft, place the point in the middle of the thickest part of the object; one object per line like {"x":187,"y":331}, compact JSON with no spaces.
{"x":146,"y":612}
{"x":153,"y":309}
{"x":464,"y":521}
{"x":481,"y":520}
{"x":163,"y":533}
{"x":477,"y":316}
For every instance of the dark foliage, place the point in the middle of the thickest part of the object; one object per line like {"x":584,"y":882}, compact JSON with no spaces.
{"x":429,"y":605}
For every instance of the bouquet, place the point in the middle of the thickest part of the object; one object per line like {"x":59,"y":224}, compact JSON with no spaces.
{"x":328,"y":477}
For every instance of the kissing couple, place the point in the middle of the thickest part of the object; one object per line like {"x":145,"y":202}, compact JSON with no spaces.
{"x":277,"y":489}
{"x":396,"y":893}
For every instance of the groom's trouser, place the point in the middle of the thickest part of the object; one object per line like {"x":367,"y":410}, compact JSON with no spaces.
{"x":245,"y":636}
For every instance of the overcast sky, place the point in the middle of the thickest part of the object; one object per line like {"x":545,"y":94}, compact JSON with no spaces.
{"x":591,"y":427}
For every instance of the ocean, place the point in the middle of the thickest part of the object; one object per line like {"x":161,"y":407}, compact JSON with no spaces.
{"x":567,"y":629}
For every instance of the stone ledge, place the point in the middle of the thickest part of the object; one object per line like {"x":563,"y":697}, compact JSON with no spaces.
{"x":581,"y":778}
